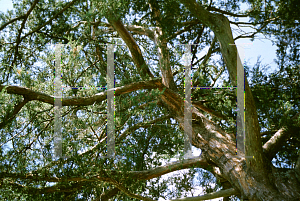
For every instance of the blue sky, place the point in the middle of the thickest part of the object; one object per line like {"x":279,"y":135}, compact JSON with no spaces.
{"x":261,"y":46}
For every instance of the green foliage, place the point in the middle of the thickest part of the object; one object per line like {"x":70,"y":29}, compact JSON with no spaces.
{"x":142,"y":141}
{"x":280,"y":90}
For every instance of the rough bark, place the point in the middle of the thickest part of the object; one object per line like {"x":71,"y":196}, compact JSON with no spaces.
{"x":161,"y":42}
{"x":256,"y":180}
{"x":219,"y":24}
{"x":131,"y":44}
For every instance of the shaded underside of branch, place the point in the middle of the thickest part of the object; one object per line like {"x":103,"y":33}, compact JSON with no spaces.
{"x":82,"y":101}
{"x":209,"y":196}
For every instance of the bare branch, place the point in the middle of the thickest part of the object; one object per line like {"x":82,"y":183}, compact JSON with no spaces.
{"x":199,"y":105}
{"x":263,"y":25}
{"x":209,"y":196}
{"x":82,"y":101}
{"x":238,"y":23}
{"x":132,"y":45}
{"x":272,"y":146}
{"x":171,"y":167}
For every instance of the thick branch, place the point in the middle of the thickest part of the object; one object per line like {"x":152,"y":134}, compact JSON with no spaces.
{"x":221,"y":27}
{"x":209,"y":196}
{"x":171,"y":167}
{"x":274,"y":144}
{"x":297,"y":168}
{"x":135,"y":29}
{"x":82,"y":101}
{"x":140,"y":175}
{"x":132,"y":45}
{"x":199,"y":105}
{"x":78,"y":179}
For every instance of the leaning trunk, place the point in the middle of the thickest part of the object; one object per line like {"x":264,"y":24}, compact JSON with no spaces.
{"x":219,"y":149}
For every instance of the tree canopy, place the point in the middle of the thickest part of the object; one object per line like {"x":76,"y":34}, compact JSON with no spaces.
{"x":149,"y":101}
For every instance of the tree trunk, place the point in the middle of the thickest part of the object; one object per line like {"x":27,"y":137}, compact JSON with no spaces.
{"x":219,"y":148}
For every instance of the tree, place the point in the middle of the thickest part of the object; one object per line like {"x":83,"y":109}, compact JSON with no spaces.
{"x":149,"y":102}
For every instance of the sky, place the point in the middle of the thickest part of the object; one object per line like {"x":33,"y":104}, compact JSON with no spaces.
{"x":259,"y":47}
{"x":262,"y":47}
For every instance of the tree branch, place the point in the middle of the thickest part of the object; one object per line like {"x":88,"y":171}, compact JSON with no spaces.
{"x":187,"y":27}
{"x":161,"y":42}
{"x":143,"y":124}
{"x":132,"y":45}
{"x":273,"y":145}
{"x":77,"y":179}
{"x":134,"y":28}
{"x":206,"y":57}
{"x":171,"y":167}
{"x":50,"y":20}
{"x":107,"y":195}
{"x":52,"y":189}
{"x":209,"y":196}
{"x":82,"y":101}
{"x":199,"y":105}
{"x":11,"y":21}
{"x":16,"y":110}
{"x":127,"y":192}
{"x":221,"y":27}
{"x":211,"y":8}
{"x":18,"y":41}
{"x":297,"y":168}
